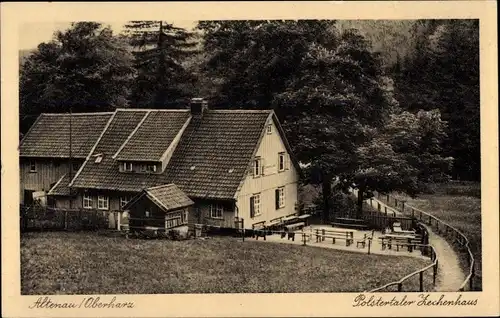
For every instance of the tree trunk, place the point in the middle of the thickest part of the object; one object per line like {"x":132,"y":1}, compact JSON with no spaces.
{"x":361,"y":197}
{"x":327,"y":195}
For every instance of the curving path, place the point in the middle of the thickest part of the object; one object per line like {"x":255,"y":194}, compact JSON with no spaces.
{"x":450,"y":275}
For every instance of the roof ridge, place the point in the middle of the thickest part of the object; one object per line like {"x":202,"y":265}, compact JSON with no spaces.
{"x":77,"y":114}
{"x":110,"y":120}
{"x":131,"y":134}
{"x":259,"y":111}
{"x":152,"y":109}
{"x":159,"y":186}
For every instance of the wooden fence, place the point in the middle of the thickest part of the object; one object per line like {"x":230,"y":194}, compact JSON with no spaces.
{"x":449,"y":232}
{"x":399,"y":284}
{"x":40,"y":218}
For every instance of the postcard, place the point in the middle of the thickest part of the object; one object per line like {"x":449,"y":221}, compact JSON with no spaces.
{"x":214,"y":159}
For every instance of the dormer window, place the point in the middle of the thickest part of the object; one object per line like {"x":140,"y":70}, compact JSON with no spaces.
{"x":151,"y":168}
{"x":127,"y":166}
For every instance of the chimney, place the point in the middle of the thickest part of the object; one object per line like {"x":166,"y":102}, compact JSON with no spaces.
{"x":198,"y":105}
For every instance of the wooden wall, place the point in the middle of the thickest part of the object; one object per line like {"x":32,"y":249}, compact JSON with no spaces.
{"x":48,"y":172}
{"x":269,"y":149}
{"x":200,"y":213}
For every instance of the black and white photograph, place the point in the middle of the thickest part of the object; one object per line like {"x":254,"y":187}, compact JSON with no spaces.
{"x":250,"y":156}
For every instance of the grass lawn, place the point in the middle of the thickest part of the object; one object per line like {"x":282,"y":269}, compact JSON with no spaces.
{"x":88,"y":263}
{"x":459,"y":206}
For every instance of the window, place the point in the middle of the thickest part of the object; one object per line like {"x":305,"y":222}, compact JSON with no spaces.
{"x":280,"y":198}
{"x":257,"y":167}
{"x":151,"y":168}
{"x":103,"y":202}
{"x":124,"y":200}
{"x":98,"y":158}
{"x":281,"y":161}
{"x":147,"y":213}
{"x":269,"y":129}
{"x":216,"y":211}
{"x":32,"y":166}
{"x":173,"y":219}
{"x":127,"y":166}
{"x":87,"y":201}
{"x":255,"y":205}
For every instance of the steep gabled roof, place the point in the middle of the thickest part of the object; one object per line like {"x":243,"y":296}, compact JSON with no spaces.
{"x":210,"y":161}
{"x":215,"y":152}
{"x":168,"y":197}
{"x":50,"y":135}
{"x":153,"y":136}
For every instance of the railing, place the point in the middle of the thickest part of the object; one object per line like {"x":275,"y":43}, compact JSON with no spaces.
{"x":449,"y":231}
{"x":420,"y":272}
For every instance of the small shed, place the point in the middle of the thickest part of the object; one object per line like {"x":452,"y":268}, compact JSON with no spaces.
{"x":159,"y":208}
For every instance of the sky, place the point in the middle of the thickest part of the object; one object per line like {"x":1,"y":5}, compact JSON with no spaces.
{"x":32,"y":34}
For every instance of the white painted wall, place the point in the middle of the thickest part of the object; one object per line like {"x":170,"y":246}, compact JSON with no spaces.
{"x":271,"y":145}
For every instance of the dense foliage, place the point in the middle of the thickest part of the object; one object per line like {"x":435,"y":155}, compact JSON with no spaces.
{"x":84,"y":68}
{"x":375,"y":105}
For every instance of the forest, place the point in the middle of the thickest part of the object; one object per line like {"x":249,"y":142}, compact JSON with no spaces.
{"x":376,"y":105}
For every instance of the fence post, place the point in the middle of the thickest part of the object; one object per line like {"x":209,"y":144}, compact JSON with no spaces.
{"x":387,"y":196}
{"x":243,"y":229}
{"x":317,"y":235}
{"x":369,"y":245}
{"x":403,"y":206}
{"x":421,"y":274}
{"x":420,"y":212}
{"x":378,"y":206}
{"x":400,"y":287}
{"x":118,"y":221}
{"x":437,"y":226}
{"x":434,"y":273}
{"x":65,"y":219}
{"x":322,"y":235}
{"x":304,"y":238}
{"x":395,"y":202}
{"x":412,"y":212}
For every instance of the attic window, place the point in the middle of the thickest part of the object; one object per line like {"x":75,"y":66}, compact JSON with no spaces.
{"x":98,"y":158}
{"x":192,"y":167}
{"x":269,"y":129}
{"x":32,"y":166}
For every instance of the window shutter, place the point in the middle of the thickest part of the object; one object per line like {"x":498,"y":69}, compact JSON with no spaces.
{"x":277,"y":198}
{"x":287,"y":161}
{"x":262,"y":166}
{"x":252,"y":207}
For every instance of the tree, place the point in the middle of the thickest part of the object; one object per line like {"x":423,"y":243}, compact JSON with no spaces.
{"x":404,"y":155}
{"x":327,"y":88}
{"x":160,"y":50}
{"x":84,"y":68}
{"x":443,"y":73}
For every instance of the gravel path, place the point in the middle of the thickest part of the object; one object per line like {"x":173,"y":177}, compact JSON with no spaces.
{"x":450,"y":275}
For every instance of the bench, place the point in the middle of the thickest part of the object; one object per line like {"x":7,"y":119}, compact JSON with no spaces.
{"x":334,"y":235}
{"x":410,"y":242}
{"x":259,"y":230}
{"x":350,"y":225}
{"x":289,"y":230}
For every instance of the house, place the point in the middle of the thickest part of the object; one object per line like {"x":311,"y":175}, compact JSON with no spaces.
{"x":233,"y":164}
{"x":159,"y":208}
